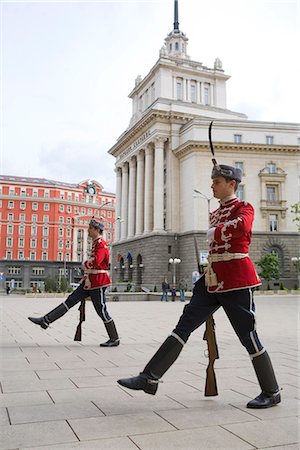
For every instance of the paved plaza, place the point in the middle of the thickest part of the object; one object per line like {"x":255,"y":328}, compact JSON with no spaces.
{"x":59,"y":394}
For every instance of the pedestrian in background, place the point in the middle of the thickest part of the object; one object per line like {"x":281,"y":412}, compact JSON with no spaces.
{"x":182,"y":289}
{"x":164,"y":287}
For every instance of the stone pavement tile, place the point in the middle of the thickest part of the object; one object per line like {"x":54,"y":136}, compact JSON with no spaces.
{"x":100,"y":380}
{"x":24,"y":398}
{"x":204,"y":416}
{"x":120,"y":425}
{"x":44,"y":413}
{"x":133,"y":405}
{"x":214,"y":438}
{"x":24,"y":375}
{"x":195,"y":399}
{"x":35,"y":385}
{"x":92,"y":394}
{"x":33,"y":366}
{"x":66,"y":373}
{"x":267,"y":433}
{"x":122,"y":443}
{"x":3,"y":417}
{"x":15,"y":436}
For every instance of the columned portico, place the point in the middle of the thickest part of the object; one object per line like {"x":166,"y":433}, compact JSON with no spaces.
{"x":131,"y":197}
{"x":118,"y":204}
{"x":124,"y":208}
{"x":158,"y":224}
{"x":140,"y":194}
{"x":148,"y":207}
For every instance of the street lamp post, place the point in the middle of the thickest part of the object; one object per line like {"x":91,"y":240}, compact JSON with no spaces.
{"x":208,"y":199}
{"x":174,"y":262}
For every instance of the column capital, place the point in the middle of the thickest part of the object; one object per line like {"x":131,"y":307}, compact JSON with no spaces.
{"x":125,"y":167}
{"x":149,"y":148}
{"x":160,"y":140}
{"x":132,"y":161}
{"x":140,"y":155}
{"x":118,"y":171}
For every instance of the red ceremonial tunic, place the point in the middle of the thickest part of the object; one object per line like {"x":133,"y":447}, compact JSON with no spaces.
{"x":232,"y":269}
{"x":96,"y":267}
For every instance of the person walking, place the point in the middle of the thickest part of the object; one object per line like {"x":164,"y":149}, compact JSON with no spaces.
{"x":93,"y":284}
{"x":164,"y":288}
{"x":229,"y":282}
{"x":182,"y":289}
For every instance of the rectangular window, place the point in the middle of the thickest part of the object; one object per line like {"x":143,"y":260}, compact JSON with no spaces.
{"x":60,"y":258}
{"x":46,"y":207}
{"x":10,"y":217}
{"x":45,"y":231}
{"x":46,"y":219}
{"x":23,"y":205}
{"x":273,"y":222}
{"x":270,"y":140}
{"x":46,"y":193}
{"x":271,"y":193}
{"x":61,"y":208}
{"x":239,"y":165}
{"x":34,"y":218}
{"x":45,"y":243}
{"x":206,"y":94}
{"x":38,"y":270}
{"x":240,"y":193}
{"x":10,"y":205}
{"x":34,"y":193}
{"x":61,"y":219}
{"x":13,"y":270}
{"x":20,"y":254}
{"x":10,"y":228}
{"x":69,"y":209}
{"x":193,"y":93}
{"x":179,"y":90}
{"x":271,"y":167}
{"x":22,"y":217}
{"x":22,"y":229}
{"x":60,"y":244}
{"x":33,"y":230}
{"x":21,"y":242}
{"x":237,"y":138}
{"x":62,"y":195}
{"x":44,"y":256}
{"x":60,"y":232}
{"x":68,"y":232}
{"x":35,"y":206}
{"x":12,"y":190}
{"x":33,"y":243}
{"x":23,"y":192}
{"x":8,"y":254}
{"x":9,"y":241}
{"x":75,"y":210}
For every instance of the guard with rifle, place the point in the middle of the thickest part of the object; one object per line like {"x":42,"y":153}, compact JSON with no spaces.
{"x":93,"y":284}
{"x":228,"y":281}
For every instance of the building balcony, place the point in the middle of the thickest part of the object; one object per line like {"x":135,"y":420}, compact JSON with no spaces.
{"x":273,"y":206}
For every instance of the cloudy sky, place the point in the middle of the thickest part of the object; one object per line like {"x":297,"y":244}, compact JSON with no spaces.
{"x":67,"y":68}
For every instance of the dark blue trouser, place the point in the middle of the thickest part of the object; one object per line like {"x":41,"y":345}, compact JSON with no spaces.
{"x":97,"y":297}
{"x":238,"y":306}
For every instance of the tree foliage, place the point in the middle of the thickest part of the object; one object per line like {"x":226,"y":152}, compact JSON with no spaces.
{"x":295,"y":209}
{"x":269,"y":265}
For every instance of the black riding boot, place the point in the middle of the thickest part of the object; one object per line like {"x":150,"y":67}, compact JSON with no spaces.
{"x":165,"y":356}
{"x":113,"y":340}
{"x":270,"y":394}
{"x":53,"y":315}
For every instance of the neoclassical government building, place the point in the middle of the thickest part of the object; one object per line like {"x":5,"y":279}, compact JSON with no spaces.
{"x":164,"y":156}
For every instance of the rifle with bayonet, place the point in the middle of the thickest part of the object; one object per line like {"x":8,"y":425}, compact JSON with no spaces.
{"x":81,"y":309}
{"x":212,"y":347}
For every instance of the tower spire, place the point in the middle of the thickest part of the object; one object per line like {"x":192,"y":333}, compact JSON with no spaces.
{"x":176,"y":23}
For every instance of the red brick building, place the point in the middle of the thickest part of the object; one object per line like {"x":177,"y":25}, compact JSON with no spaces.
{"x":46,"y":221}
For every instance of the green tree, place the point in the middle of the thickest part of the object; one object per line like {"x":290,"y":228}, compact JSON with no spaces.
{"x":64,"y":285}
{"x":51,"y":284}
{"x":295,"y":209}
{"x":269,"y":265}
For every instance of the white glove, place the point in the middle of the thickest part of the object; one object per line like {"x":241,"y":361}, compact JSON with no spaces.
{"x":210,"y":235}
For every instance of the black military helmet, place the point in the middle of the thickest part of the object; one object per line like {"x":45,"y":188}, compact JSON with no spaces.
{"x":229,"y":172}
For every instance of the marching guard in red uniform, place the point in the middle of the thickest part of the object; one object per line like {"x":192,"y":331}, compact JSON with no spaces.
{"x":229,"y":281}
{"x":93,"y":284}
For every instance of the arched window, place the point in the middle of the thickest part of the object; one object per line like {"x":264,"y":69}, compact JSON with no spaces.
{"x":130,"y":267}
{"x":122,"y":268}
{"x":176,"y":46}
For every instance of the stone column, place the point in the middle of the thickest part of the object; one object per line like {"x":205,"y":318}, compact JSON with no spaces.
{"x":117,"y":228}
{"x":124,"y":208}
{"x":199,"y":84}
{"x":148,"y":207}
{"x":131,"y":197}
{"x":140,"y":194}
{"x":159,"y":184}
